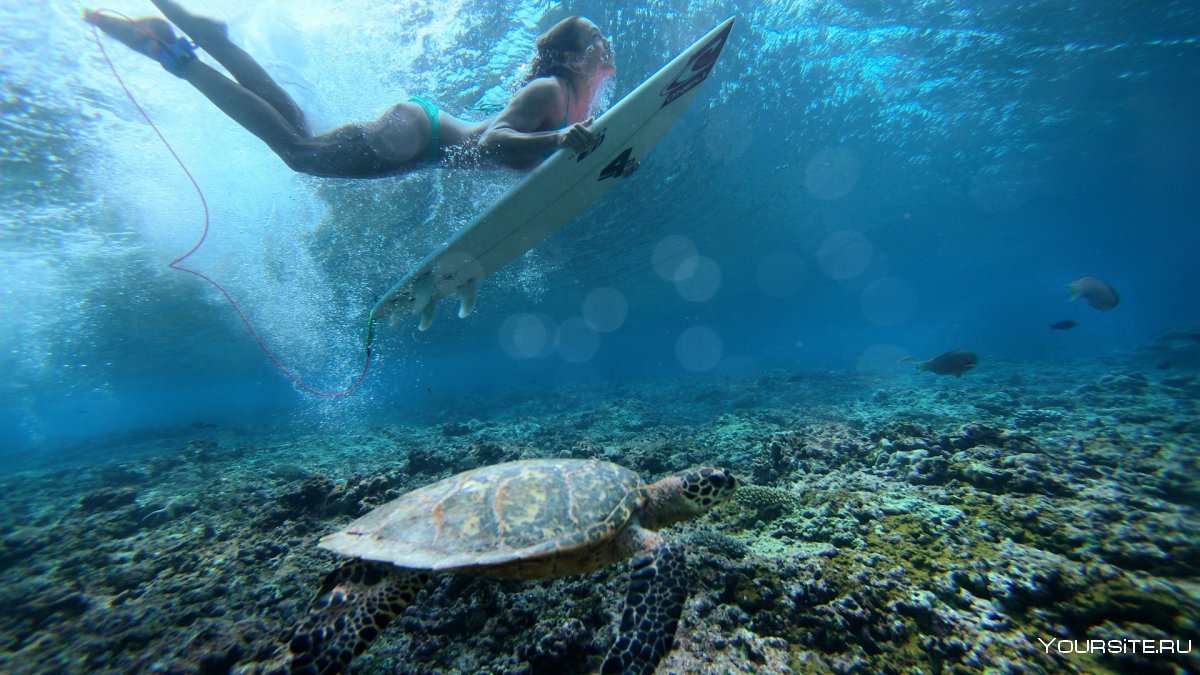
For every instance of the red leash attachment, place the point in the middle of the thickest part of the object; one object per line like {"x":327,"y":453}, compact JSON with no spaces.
{"x":177,"y":264}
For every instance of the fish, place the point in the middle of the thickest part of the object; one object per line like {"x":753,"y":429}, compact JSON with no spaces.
{"x":954,"y":362}
{"x":1098,"y":294}
{"x":1065,"y":324}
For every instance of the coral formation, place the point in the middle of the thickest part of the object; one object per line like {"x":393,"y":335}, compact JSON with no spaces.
{"x":982,"y":525}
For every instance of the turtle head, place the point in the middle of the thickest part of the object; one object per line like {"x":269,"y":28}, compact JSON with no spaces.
{"x":687,"y":495}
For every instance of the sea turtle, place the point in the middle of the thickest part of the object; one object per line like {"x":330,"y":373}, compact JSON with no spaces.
{"x":530,"y":519}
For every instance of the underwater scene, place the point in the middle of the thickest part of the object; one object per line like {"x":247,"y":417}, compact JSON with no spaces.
{"x":884,"y":359}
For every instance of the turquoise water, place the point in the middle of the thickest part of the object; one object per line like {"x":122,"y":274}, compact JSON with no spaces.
{"x":857,"y":183}
{"x":858,"y":179}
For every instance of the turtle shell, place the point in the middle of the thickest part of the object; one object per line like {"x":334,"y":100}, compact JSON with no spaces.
{"x":495,"y":515}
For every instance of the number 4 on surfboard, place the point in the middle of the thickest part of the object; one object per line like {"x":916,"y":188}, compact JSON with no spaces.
{"x":558,"y":190}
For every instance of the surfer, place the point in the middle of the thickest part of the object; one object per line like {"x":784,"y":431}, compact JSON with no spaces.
{"x":572,"y":61}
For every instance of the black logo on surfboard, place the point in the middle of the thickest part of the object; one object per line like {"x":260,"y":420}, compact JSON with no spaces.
{"x":697,"y":68}
{"x":595,"y":144}
{"x":621,"y":167}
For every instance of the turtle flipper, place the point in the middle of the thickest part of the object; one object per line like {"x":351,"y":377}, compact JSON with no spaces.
{"x":356,"y":602}
{"x":657,"y":591}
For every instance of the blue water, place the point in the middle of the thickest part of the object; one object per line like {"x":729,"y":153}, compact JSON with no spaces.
{"x":858,"y":182}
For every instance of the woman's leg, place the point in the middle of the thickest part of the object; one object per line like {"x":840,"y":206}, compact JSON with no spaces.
{"x":213,"y":37}
{"x":390,"y":145}
{"x":148,"y":36}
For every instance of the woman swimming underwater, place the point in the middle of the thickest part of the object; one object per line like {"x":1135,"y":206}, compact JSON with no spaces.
{"x":549,"y":112}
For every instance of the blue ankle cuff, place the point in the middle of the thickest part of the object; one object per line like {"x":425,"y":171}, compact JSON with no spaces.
{"x":174,"y":55}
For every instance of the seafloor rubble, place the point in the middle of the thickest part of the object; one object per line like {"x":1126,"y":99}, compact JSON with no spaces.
{"x":994,"y":523}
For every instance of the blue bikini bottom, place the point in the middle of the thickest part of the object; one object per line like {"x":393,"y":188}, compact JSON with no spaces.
{"x":435,"y":127}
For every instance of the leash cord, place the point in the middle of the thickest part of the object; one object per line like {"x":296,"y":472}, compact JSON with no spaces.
{"x":177,"y":264}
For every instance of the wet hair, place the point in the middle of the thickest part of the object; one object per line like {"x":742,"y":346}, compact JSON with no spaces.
{"x":554,"y":48}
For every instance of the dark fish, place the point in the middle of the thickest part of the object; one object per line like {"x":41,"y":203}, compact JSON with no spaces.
{"x":1065,"y":324}
{"x":1097,"y":293}
{"x":953,"y":363}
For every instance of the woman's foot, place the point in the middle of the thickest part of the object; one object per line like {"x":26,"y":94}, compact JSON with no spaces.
{"x":202,"y":30}
{"x":145,"y":36}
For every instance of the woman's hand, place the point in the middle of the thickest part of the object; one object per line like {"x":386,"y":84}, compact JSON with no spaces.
{"x":578,"y":138}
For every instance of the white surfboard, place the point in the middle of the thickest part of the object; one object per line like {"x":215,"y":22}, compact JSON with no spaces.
{"x":558,"y":190}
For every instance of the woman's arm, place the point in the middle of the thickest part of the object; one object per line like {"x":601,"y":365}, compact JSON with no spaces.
{"x":514,"y":137}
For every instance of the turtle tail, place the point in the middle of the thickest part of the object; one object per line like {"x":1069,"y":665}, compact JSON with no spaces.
{"x":653,"y":604}
{"x":356,"y":602}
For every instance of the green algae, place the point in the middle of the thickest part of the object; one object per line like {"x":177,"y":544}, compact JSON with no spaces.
{"x":926,"y":541}
{"x":1119,"y":600}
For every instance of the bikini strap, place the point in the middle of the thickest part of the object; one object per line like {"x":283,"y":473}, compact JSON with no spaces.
{"x":567,"y":116}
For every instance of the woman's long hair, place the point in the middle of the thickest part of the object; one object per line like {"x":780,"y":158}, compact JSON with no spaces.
{"x":554,"y":49}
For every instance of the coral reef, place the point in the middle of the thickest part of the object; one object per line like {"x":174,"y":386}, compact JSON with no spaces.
{"x":996,"y":523}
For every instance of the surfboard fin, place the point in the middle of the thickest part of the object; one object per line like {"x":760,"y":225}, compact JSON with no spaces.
{"x":423,"y":299}
{"x":426,"y":316}
{"x":466,"y":294}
